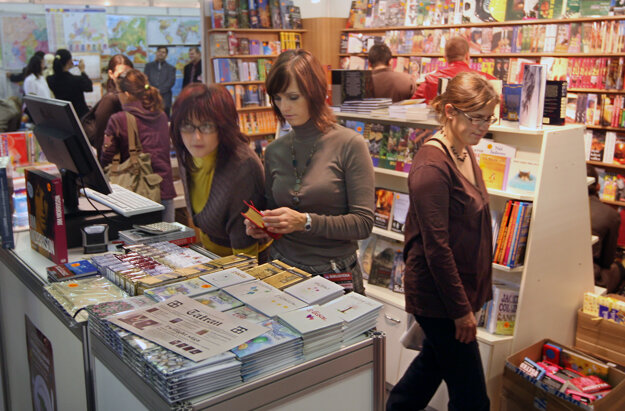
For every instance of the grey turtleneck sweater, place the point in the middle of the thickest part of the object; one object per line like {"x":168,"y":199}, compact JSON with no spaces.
{"x":337,"y":191}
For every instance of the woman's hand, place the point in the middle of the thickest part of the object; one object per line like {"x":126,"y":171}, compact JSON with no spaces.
{"x":284,"y":220}
{"x":466,"y":328}
{"x":253,"y":231}
{"x":81,"y":66}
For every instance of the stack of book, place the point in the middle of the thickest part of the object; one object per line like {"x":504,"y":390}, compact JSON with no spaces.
{"x":511,"y":234}
{"x":190,"y":288}
{"x":225,"y":278}
{"x":181,"y":237}
{"x":316,"y":290}
{"x":366,"y":105}
{"x":411,"y":111}
{"x":276,"y":349}
{"x":359,"y":313}
{"x":321,"y":329}
{"x":264,"y":298}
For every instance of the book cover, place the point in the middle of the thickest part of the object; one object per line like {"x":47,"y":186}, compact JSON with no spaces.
{"x":264,"y":16}
{"x":592,"y":110}
{"x":255,"y":48}
{"x":522,"y":176}
{"x":502,"y":317}
{"x":46,"y":215}
{"x":243,"y":14}
{"x":219,"y":44}
{"x":383,"y":206}
{"x":283,"y":279}
{"x":231,"y":13}
{"x":218,"y":300}
{"x":309,"y":319}
{"x":253,"y":14}
{"x":511,"y":101}
{"x":275,"y":304}
{"x":395,"y":13}
{"x":400,"y":211}
{"x":597,"y":147}
{"x":315,"y":289}
{"x":555,"y":103}
{"x":228,"y":277}
{"x":6,"y":202}
{"x":533,"y":97}
{"x":244,"y":46}
{"x":217,"y":14}
{"x":295,"y":17}
{"x":503,"y":228}
{"x":382,"y":263}
{"x":353,"y":306}
{"x":494,"y":170}
{"x":192,"y":287}
{"x":277,"y":335}
{"x":17,"y":147}
{"x":366,"y":248}
{"x":71,"y":271}
{"x":519,"y":251}
{"x":619,"y":150}
{"x":276,"y":18}
{"x":397,"y":273}
{"x":563,"y":38}
{"x":412,"y":14}
{"x":246,"y":313}
{"x":610,"y":143}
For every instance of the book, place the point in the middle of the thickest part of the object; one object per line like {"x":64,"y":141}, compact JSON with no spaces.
{"x":219,"y":44}
{"x":6,"y":202}
{"x":264,"y":15}
{"x":502,"y":316}
{"x":518,"y":255}
{"x":494,"y":170}
{"x":383,"y":207}
{"x":397,"y":272}
{"x":71,"y":271}
{"x":365,"y":255}
{"x":217,"y":14}
{"x":225,"y":278}
{"x":522,"y":176}
{"x":511,"y":99}
{"x":316,"y":290}
{"x":276,"y":18}
{"x":533,"y":97}
{"x":400,"y":211}
{"x":382,"y":263}
{"x":46,"y":215}
{"x":284,"y":279}
{"x":554,"y":112}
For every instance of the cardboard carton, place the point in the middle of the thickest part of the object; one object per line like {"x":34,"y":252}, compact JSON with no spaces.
{"x":600,"y":337}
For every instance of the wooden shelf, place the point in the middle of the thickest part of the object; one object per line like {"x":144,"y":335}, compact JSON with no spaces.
{"x":254,"y":136}
{"x":256,"y":30}
{"x":488,"y":24}
{"x":232,"y":83}
{"x":388,"y":234}
{"x":595,"y":90}
{"x":245,"y":56}
{"x":508,"y":194}
{"x":498,"y":55}
{"x":607,"y":128}
{"x":615,"y":203}
{"x":505,"y":268}
{"x":257,"y":108}
{"x":606,"y":165}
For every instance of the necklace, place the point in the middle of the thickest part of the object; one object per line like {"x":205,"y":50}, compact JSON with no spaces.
{"x":299,"y":175}
{"x":459,"y":157}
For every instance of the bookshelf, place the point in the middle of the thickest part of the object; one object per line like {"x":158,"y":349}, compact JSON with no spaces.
{"x":558,"y":259}
{"x":257,"y":120}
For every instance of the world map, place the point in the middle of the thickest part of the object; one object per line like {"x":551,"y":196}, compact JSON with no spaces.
{"x":169,"y":31}
{"x":127,"y":36}
{"x":83,"y":32}
{"x":22,"y":36}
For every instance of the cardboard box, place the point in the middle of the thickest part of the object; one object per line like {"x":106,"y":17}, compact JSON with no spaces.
{"x":600,"y":337}
{"x":521,"y":392}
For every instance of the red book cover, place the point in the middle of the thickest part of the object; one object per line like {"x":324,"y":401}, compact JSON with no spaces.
{"x":17,"y":147}
{"x":46,"y":215}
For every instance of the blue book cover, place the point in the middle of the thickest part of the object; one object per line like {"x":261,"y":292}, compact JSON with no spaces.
{"x":511,"y":101}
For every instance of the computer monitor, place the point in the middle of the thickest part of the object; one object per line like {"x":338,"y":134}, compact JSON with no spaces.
{"x":64,"y":143}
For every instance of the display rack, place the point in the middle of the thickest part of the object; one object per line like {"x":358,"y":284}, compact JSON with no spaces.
{"x":558,"y":261}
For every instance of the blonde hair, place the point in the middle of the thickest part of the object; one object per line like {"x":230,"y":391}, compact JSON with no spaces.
{"x":468,"y":91}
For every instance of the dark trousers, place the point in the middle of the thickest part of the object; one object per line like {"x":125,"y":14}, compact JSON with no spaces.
{"x":442,"y":358}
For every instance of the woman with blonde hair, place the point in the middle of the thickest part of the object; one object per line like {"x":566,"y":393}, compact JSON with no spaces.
{"x":448,"y":251}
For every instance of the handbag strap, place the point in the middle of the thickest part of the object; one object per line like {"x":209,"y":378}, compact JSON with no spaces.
{"x":134,"y":144}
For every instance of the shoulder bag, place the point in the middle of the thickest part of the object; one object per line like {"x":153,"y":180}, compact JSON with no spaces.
{"x":136,"y":172}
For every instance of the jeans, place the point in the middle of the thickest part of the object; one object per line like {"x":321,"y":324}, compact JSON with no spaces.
{"x":348,"y":264}
{"x":442,"y":358}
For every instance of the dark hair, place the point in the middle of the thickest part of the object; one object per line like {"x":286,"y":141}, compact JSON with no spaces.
{"x":456,"y":48}
{"x":61,"y":58}
{"x":166,"y":49}
{"x":195,"y":48}
{"x":34,"y":66}
{"x":115,"y":61}
{"x":468,"y":91}
{"x":302,"y":67}
{"x":593,"y":188}
{"x":39,"y":54}
{"x":379,"y":54}
{"x":214,"y":103}
{"x":136,"y":84}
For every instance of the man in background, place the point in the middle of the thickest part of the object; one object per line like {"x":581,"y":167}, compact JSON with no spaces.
{"x":193,"y":70}
{"x":161,"y":75}
{"x":386,"y":82}
{"x":605,"y":222}
{"x":457,"y":57}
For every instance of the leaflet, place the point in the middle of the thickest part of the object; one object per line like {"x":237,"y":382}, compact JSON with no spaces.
{"x":188,"y":327}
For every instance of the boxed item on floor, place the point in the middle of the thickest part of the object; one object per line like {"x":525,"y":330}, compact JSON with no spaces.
{"x":522,"y":392}
{"x":601,"y":337}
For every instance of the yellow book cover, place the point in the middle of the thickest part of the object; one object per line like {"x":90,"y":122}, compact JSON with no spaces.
{"x":494,"y":170}
{"x":283,"y":280}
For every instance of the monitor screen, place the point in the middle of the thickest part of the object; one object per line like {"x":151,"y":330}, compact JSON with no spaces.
{"x":64,"y":143}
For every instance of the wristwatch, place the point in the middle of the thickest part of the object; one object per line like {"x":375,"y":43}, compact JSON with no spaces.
{"x":308,"y":225}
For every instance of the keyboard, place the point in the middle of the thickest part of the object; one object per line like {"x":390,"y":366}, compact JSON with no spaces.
{"x":124,"y":201}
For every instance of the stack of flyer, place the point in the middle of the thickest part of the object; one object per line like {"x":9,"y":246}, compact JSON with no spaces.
{"x":278,"y":348}
{"x":321,"y":329}
{"x":366,"y":105}
{"x":190,"y":288}
{"x":225,"y":278}
{"x":316,"y":290}
{"x":184,"y":236}
{"x":359,"y":313}
{"x":264,"y":297}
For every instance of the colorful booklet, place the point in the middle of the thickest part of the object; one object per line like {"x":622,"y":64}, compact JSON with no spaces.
{"x":192,"y":287}
{"x":225,"y":278}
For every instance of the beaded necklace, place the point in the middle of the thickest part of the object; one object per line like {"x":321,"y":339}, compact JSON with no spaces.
{"x":459,"y":157}
{"x":299,"y":175}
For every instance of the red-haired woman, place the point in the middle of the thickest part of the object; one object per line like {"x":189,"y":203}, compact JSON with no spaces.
{"x":319,"y":179}
{"x":145,"y":104}
{"x":218,"y":168}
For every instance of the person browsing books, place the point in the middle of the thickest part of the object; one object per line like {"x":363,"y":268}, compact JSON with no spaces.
{"x":386,"y":82}
{"x":457,"y":57}
{"x":319,"y":180}
{"x":95,"y":121}
{"x":67,"y":86}
{"x":218,"y":169}
{"x":448,"y":251}
{"x":143,"y":102}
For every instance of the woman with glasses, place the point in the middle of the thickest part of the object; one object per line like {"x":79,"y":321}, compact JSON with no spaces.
{"x":144,"y":103}
{"x":448,"y":251}
{"x":219,"y":170}
{"x":319,"y":177}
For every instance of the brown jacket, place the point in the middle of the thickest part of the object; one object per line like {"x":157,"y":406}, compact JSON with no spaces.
{"x":392,"y":84}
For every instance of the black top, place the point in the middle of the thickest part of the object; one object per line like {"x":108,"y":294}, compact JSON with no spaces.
{"x":69,"y":87}
{"x":197,"y":76}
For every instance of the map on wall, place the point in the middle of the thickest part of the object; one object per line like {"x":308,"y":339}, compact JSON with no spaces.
{"x":127,"y":36}
{"x":78,"y":30}
{"x":21,"y":37}
{"x":177,"y":30}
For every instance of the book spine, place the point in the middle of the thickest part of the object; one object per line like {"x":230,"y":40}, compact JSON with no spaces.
{"x":502,"y":228}
{"x":60,"y":232}
{"x":517,"y":231}
{"x":514,"y":216}
{"x":6,"y":218}
{"x":520,"y":254}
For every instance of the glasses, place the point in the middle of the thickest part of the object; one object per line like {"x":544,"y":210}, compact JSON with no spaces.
{"x":478,"y":121}
{"x":205,"y":128}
